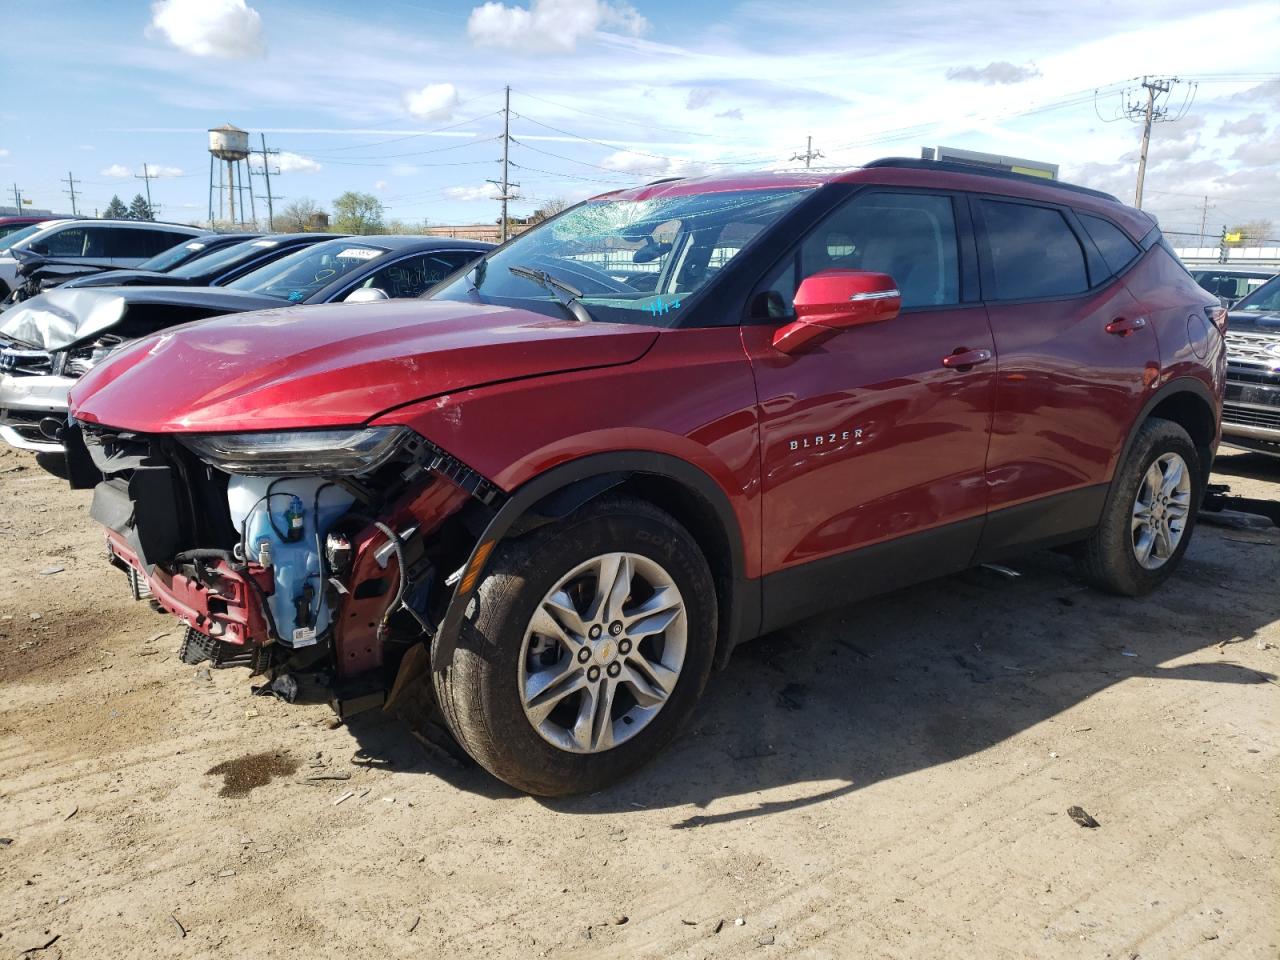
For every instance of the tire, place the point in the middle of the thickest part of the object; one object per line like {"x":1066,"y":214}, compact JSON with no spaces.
{"x":502,"y":654}
{"x":1111,"y":559}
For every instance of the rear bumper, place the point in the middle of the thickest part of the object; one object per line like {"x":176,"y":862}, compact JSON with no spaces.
{"x":27,"y":400}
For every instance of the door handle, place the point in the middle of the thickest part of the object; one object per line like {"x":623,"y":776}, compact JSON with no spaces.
{"x":964,"y":359}
{"x":1122,"y":327}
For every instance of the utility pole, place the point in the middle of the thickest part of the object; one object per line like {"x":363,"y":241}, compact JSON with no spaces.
{"x":1204,"y":218}
{"x":1149,"y":108}
{"x":506,"y":183}
{"x":266,"y":173}
{"x":146,"y":175}
{"x":71,"y":182}
{"x":809,"y":154}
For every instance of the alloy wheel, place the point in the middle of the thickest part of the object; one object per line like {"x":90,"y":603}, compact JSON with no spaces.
{"x":603,"y":652}
{"x":1160,"y":510}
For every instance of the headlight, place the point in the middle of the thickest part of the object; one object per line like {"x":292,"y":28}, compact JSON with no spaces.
{"x":346,"y":451}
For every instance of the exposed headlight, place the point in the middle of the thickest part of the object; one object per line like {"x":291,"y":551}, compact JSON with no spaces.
{"x":345,"y":451}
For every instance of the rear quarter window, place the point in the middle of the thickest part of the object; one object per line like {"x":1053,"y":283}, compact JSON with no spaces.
{"x":1117,"y":250}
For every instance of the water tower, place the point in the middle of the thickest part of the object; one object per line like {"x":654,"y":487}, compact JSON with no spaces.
{"x":229,"y":144}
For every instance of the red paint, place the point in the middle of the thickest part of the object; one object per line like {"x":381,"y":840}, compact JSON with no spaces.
{"x":835,"y":300}
{"x":334,"y":364}
{"x":224,"y":605}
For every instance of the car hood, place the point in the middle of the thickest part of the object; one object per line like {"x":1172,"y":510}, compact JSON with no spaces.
{"x":62,"y":318}
{"x":1263,"y":321}
{"x":120,"y":278}
{"x":335,"y":364}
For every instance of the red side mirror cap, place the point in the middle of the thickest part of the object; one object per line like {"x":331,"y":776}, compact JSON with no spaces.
{"x":835,"y":300}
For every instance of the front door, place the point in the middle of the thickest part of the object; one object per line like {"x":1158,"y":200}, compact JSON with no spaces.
{"x":872,"y":450}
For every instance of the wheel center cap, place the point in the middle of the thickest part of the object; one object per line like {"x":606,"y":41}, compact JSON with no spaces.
{"x":607,"y":651}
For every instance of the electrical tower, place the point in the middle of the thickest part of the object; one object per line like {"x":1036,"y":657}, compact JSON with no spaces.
{"x":505,"y":184}
{"x":17,"y":200}
{"x":809,"y":154}
{"x":71,"y":184}
{"x":1150,"y":107}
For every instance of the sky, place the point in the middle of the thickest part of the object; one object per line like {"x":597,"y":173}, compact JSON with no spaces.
{"x":404,"y":100}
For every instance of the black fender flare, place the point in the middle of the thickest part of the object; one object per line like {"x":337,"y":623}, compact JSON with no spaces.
{"x":1181,"y":385}
{"x":563,"y":489}
{"x":1187,"y":385}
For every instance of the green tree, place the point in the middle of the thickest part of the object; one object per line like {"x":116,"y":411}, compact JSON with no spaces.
{"x":116,"y":210}
{"x":139,"y":209}
{"x":357,"y":213}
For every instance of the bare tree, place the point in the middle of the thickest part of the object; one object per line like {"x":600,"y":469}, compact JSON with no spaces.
{"x":296,"y":215}
{"x":549,"y":209}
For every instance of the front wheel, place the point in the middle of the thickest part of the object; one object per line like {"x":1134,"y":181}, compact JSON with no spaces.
{"x":591,"y":641}
{"x":1147,"y":523}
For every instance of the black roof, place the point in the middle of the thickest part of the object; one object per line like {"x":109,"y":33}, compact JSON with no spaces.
{"x":979,"y":170}
{"x":400,"y":243}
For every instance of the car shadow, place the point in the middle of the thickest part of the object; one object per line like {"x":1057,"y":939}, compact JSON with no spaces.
{"x":910,"y":680}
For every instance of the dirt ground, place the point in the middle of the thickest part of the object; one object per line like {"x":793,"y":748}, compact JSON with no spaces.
{"x":888,"y":781}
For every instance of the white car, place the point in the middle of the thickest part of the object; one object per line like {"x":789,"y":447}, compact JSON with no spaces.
{"x":112,"y":243}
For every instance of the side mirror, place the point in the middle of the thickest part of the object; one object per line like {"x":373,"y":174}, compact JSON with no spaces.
{"x":836,"y":300}
{"x":40,"y":248}
{"x":366,"y":295}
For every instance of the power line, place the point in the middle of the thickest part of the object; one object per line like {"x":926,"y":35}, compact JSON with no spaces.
{"x":506,"y":183}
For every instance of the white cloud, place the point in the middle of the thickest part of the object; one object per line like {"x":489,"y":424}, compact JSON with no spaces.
{"x":699,"y":97}
{"x":625,"y":161}
{"x":435,"y":101}
{"x":551,"y":26}
{"x":380,"y":185}
{"x":118,"y":171}
{"x":485,"y":191}
{"x":3,"y":152}
{"x":1251,"y":126}
{"x":289,"y":162}
{"x":224,"y":29}
{"x":995,"y":73}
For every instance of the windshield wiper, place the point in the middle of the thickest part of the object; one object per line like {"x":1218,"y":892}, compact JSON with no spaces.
{"x":571,"y":302}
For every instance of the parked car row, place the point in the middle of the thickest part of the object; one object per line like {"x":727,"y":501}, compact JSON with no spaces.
{"x":1231,"y":284}
{"x":1251,"y":411}
{"x":54,"y":338}
{"x":97,"y":244}
{"x":549,"y":496}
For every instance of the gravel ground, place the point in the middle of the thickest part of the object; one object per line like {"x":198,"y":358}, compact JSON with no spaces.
{"x":891,"y":780}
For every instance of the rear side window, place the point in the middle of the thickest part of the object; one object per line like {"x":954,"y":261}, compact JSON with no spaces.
{"x":1034,"y":252}
{"x":1117,"y":249}
{"x":65,"y":243}
{"x":139,"y":242}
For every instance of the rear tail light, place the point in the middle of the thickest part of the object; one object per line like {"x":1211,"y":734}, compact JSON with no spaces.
{"x":1218,"y":317}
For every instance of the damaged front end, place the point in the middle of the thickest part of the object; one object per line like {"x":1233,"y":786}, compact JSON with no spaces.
{"x":319,"y":558}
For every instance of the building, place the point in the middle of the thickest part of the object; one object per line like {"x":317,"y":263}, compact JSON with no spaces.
{"x":1032,"y":168}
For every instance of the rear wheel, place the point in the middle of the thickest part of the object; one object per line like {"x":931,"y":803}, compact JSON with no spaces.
{"x":1147,"y":523}
{"x":591,"y":641}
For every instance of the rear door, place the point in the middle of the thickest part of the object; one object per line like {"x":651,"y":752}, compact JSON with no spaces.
{"x":873,"y":451}
{"x":1076,"y":356}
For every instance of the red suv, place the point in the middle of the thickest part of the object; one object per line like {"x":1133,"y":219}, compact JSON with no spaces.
{"x":562,"y":487}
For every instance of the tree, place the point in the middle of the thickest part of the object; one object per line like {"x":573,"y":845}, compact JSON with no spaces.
{"x":1251,"y":234}
{"x":116,"y":210}
{"x":549,"y":209}
{"x":296,"y":216}
{"x":139,"y":209}
{"x":357,"y":213}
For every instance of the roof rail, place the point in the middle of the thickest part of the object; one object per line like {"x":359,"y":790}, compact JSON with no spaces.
{"x":977,"y":169}
{"x":653,"y":183}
